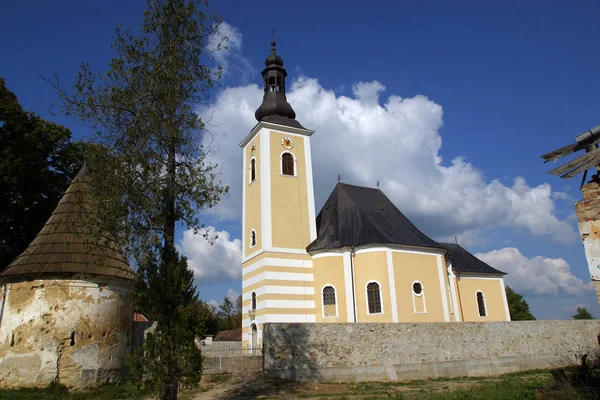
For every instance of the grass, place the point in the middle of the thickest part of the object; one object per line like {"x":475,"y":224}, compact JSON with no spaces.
{"x":125,"y":390}
{"x":217,"y":378}
{"x":530,"y":385}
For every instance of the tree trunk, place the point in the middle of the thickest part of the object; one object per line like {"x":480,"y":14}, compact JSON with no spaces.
{"x":170,"y":392}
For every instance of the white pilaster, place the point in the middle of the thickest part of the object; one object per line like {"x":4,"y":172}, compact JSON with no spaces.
{"x":443,"y":288}
{"x":348,"y":287}
{"x":265,"y":188}
{"x":392,"y":281}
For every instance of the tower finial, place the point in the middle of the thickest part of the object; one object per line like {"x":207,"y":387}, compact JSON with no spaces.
{"x":275,"y":107}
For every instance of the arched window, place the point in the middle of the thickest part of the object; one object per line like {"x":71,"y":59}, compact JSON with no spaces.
{"x":481,"y":304}
{"x":287,"y":164}
{"x":271,"y":80}
{"x":253,"y":300}
{"x":374,"y":298}
{"x":253,"y":339}
{"x":252,"y":170}
{"x":252,"y":238}
{"x":329,"y":307}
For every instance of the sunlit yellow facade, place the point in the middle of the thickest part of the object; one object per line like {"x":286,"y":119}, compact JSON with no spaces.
{"x":287,"y":277}
{"x":288,"y":283}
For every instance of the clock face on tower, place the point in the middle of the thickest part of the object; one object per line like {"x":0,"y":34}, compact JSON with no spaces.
{"x":252,"y":149}
{"x":287,"y":143}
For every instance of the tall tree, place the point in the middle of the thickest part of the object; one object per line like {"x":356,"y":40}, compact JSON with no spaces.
{"x":226,"y":314}
{"x":155,"y":176}
{"x":518,"y":306}
{"x":37,"y":162}
{"x":582,"y":313}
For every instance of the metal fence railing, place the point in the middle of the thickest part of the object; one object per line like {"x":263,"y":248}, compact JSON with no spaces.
{"x":233,"y":360}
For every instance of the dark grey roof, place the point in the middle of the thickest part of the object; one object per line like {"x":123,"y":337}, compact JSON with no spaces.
{"x":281,"y":120}
{"x":356,"y":215}
{"x":463,"y":261}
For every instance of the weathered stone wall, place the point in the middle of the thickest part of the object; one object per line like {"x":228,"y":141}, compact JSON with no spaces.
{"x":588,"y":217}
{"x":234,"y":346}
{"x":363,"y":352}
{"x":74,"y":331}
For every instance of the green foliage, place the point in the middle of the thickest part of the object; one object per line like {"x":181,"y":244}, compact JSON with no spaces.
{"x":37,"y":162}
{"x":151,"y":174}
{"x":170,"y":357}
{"x":54,"y":391}
{"x":154,"y":174}
{"x":582,"y":313}
{"x":229,"y":315}
{"x":517,"y":306}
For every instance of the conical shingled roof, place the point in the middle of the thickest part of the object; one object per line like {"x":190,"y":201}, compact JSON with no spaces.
{"x":356,"y":216}
{"x":70,"y":243}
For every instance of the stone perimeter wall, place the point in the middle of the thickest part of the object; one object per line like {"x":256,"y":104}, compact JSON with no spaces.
{"x":403,"y":351}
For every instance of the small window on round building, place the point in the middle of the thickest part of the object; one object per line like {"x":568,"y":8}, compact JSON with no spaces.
{"x":417,"y":288}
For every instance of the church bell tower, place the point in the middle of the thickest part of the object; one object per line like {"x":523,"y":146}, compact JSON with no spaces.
{"x":278,"y":221}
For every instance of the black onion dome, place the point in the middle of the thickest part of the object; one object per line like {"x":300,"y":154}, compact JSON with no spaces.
{"x":274,"y":58}
{"x":275,"y":107}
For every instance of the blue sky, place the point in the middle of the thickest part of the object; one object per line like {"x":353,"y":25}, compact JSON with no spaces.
{"x":448,"y":105}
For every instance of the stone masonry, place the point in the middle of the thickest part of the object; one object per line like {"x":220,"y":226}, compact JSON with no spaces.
{"x":588,"y":217}
{"x":404,"y":351}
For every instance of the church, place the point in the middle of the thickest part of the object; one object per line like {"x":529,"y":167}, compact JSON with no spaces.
{"x":359,"y":260}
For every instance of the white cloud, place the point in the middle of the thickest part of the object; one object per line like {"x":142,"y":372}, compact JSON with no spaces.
{"x":232,"y":295}
{"x":229,"y":55}
{"x":368,"y":92}
{"x":537,"y":276}
{"x":396,"y":143}
{"x":218,"y":262}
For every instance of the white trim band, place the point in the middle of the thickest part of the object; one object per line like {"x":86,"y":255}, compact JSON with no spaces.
{"x":277,"y":262}
{"x":279,"y":276}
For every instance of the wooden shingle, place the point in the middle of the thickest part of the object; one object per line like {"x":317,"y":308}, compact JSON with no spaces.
{"x":70,"y":242}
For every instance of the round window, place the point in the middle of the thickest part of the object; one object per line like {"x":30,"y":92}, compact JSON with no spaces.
{"x":417,"y":288}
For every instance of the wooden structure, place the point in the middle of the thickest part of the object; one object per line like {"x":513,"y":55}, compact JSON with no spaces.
{"x":587,"y":141}
{"x":588,"y":209}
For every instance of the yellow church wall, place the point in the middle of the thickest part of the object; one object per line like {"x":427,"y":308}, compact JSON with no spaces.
{"x":274,"y":254}
{"x":289,"y":196}
{"x":271,"y":268}
{"x":275,"y":282}
{"x":494,"y":298}
{"x":372,"y":266}
{"x":253,"y":199}
{"x":411,"y":267}
{"x":330,"y":271}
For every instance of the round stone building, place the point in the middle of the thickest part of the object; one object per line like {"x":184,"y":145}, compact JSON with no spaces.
{"x":65,"y":311}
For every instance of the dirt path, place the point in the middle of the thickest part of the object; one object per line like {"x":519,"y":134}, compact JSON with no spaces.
{"x":257,"y":386}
